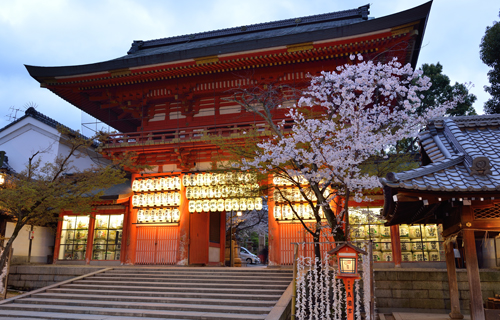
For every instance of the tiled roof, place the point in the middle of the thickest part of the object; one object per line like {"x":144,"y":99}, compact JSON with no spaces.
{"x":464,"y":154}
{"x":31,"y":112}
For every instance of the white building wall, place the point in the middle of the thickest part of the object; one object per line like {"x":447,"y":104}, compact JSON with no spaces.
{"x":42,"y":245}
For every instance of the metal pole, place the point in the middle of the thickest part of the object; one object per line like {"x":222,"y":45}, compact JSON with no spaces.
{"x":294,"y":286}
{"x":372,"y":289}
{"x":31,"y":241}
{"x":231,"y":247}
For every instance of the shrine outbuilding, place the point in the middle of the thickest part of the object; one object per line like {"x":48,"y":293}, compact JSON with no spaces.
{"x":457,"y":186}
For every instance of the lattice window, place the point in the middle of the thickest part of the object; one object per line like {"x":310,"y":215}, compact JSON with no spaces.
{"x":487,"y":213}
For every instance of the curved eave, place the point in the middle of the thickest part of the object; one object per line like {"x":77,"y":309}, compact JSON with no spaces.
{"x":419,"y":14}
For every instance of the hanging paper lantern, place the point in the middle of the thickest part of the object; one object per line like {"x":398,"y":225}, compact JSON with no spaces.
{"x":163,"y":184}
{"x":176,"y":215}
{"x":135,"y":200}
{"x":147,"y":215}
{"x":240,"y":191}
{"x":189,"y":193}
{"x":199,"y":206}
{"x":157,"y":184}
{"x":224,"y":191}
{"x":177,"y":198}
{"x":136,"y":185}
{"x":228,"y":205}
{"x":157,"y":199}
{"x":168,"y":215}
{"x":151,"y":199}
{"x":221,"y":177}
{"x":140,"y":215}
{"x":250,"y":204}
{"x":247,"y":178}
{"x":243,"y":204}
{"x":241,"y":177}
{"x":186,"y":180}
{"x":177,"y":183}
{"x":213,"y":205}
{"x":235,"y":205}
{"x":196,"y":192}
{"x":229,"y":178}
{"x":204,"y":192}
{"x":193,"y":180}
{"x":258,"y":203}
{"x":206,"y":205}
{"x":220,"y":205}
{"x":277,"y":196}
{"x":218,"y":191}
{"x":277,"y":212}
{"x":287,"y":212}
{"x":170,"y":199}
{"x":192,"y":206}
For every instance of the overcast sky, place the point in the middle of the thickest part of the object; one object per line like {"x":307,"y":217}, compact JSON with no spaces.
{"x":73,"y":32}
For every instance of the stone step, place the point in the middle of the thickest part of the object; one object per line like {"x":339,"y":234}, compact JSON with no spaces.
{"x":194,"y":295}
{"x":197,"y":276}
{"x":35,"y":315}
{"x":173,"y":270}
{"x":171,"y":289}
{"x":189,"y":280}
{"x":248,"y":286}
{"x":166,"y":314}
{"x":181,"y":300}
{"x":148,"y":305}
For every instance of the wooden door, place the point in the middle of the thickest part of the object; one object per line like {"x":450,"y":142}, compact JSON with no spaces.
{"x":157,"y":245}
{"x":198,"y":238}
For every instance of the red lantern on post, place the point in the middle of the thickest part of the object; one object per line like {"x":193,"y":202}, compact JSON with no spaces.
{"x":347,"y":261}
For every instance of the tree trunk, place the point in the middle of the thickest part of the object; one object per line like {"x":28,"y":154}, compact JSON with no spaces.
{"x":5,"y":253}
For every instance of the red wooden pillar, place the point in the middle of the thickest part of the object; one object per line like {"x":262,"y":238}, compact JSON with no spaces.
{"x":396,"y":246}
{"x":452,"y":282}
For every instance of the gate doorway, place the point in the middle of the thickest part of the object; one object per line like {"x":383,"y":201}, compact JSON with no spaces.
{"x":157,"y":245}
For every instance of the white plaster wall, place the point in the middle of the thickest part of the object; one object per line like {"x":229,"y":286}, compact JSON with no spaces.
{"x":42,"y":245}
{"x":23,"y":139}
{"x":82,"y":160}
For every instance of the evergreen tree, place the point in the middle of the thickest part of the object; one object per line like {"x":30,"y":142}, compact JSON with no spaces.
{"x":490,"y":54}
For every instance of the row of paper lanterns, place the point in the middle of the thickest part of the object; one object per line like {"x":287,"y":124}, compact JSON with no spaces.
{"x":158,"y":215}
{"x":405,"y":231}
{"x":279,"y":181}
{"x":294,"y":195}
{"x":226,"y":191}
{"x":219,"y":205}
{"x":156,"y":184}
{"x":213,"y":179}
{"x":303,"y":210}
{"x":156,"y":199}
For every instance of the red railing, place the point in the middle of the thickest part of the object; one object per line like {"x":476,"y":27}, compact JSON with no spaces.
{"x":181,"y":135}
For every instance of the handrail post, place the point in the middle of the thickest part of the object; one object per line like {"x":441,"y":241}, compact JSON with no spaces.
{"x":294,"y":293}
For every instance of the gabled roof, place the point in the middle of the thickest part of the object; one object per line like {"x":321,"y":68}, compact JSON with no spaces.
{"x":463,"y":155}
{"x":246,"y":38}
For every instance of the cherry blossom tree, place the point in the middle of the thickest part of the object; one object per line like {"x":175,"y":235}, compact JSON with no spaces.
{"x":345,"y":117}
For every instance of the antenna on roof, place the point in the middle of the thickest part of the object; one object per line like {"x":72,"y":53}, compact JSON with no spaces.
{"x":12,"y":116}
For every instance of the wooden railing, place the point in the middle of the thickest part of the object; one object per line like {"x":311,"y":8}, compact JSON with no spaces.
{"x":182,"y":134}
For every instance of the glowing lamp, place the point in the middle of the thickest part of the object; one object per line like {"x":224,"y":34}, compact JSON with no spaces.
{"x":347,"y":260}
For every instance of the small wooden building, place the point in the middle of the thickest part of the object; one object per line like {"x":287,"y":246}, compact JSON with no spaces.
{"x":458,"y":186}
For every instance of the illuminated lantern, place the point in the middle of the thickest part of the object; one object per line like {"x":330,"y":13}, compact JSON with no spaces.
{"x":192,"y":206}
{"x":199,"y":206}
{"x":151,"y":199}
{"x":168,"y":215}
{"x":235,"y":205}
{"x":229,"y":178}
{"x":157,"y":199}
{"x":287,"y":212}
{"x":224,"y":191}
{"x":227,"y":204}
{"x":243,"y":204}
{"x":277,"y":196}
{"x":186,"y":180}
{"x":163,"y":184}
{"x":218,"y":191}
{"x":176,"y":215}
{"x":206,"y":205}
{"x":140,"y":215}
{"x":189,"y":193}
{"x":194,"y":180}
{"x":347,"y":261}
{"x":170,"y":199}
{"x":135,"y":200}
{"x":204,"y":192}
{"x":177,"y":198}
{"x":222,"y":178}
{"x":250,"y":204}
{"x":196,"y":192}
{"x":136,"y":185}
{"x":277,"y":212}
{"x":147,"y":215}
{"x":177,"y":183}
{"x":211,"y":192}
{"x":258,"y":203}
{"x":220,"y":205}
{"x":213,"y":205}
{"x":157,"y":184}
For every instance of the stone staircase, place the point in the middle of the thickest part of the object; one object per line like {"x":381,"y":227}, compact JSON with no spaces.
{"x":156,"y":293}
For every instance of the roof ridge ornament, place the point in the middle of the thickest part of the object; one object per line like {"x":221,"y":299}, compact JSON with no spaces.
{"x":480,"y":166}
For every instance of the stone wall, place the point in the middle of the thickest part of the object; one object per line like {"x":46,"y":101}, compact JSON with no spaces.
{"x":31,"y":277}
{"x":427,"y":288}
